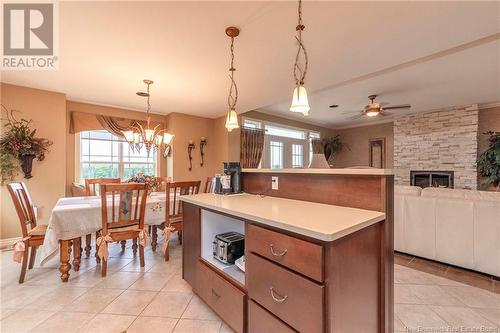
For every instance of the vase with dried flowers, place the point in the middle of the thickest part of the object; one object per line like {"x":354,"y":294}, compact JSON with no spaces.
{"x":19,"y":147}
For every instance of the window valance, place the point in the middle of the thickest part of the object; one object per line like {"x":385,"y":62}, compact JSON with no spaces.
{"x":82,"y":121}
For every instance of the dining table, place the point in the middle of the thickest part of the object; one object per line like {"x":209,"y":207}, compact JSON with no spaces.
{"x":75,"y":217}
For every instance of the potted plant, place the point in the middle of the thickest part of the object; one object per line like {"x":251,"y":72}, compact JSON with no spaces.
{"x":19,"y":146}
{"x":488,"y":162}
{"x":332,"y":146}
{"x":324,"y":150}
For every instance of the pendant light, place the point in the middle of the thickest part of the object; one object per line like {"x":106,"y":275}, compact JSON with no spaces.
{"x":300,"y":102}
{"x":148,"y":136}
{"x":232,"y":117}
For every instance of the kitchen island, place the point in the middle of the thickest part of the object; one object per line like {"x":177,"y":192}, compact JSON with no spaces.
{"x":311,"y":265}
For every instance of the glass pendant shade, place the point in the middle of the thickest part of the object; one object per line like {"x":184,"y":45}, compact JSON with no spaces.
{"x":137,"y":138}
{"x":158,"y":140}
{"x":129,"y":136}
{"x":300,"y":102}
{"x":167,"y":138}
{"x":149,"y":135}
{"x":232,"y":120}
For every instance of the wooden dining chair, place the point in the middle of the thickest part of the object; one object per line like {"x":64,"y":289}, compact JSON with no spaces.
{"x":91,"y":189}
{"x":173,"y":212}
{"x":209,"y":185}
{"x":91,"y":184}
{"x":123,"y":219}
{"x":162,"y":181}
{"x":33,"y":234}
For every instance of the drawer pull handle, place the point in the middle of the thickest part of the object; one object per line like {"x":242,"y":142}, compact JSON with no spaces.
{"x":215,"y":294}
{"x":276,"y":297}
{"x":276,"y":254}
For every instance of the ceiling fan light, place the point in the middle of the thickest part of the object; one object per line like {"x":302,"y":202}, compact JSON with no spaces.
{"x":129,"y":136}
{"x":167,"y":138}
{"x":300,"y":103}
{"x":232,"y":120}
{"x":372,"y":113}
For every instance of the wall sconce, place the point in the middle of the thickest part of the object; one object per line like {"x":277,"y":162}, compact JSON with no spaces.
{"x":191,"y":146}
{"x":203,"y":143}
{"x":167,"y":140}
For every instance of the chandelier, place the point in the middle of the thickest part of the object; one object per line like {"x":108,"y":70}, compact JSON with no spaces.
{"x":147,"y":136}
{"x":232,"y":117}
{"x":300,"y":103}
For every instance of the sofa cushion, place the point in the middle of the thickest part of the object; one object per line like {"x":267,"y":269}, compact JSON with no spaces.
{"x":407,"y":190}
{"x":450,"y":193}
{"x":454,"y":232}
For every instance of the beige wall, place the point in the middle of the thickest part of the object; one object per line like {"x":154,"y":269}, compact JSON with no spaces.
{"x":48,"y":112}
{"x":185,"y":128}
{"x":356,"y":145}
{"x":102,"y":110}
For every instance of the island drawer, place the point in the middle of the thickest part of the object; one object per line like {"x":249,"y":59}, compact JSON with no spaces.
{"x":292,"y":298}
{"x":224,"y":298}
{"x":259,"y":321}
{"x":299,"y":255}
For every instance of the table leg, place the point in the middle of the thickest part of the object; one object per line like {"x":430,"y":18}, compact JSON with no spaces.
{"x":77,"y":253}
{"x":64,"y":258}
{"x":154,"y":238}
{"x":88,"y":247}
{"x":123,"y":243}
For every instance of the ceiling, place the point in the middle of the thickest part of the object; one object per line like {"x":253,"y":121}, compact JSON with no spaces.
{"x":428,"y":54}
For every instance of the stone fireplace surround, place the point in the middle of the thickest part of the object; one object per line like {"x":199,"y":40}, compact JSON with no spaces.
{"x":438,"y":140}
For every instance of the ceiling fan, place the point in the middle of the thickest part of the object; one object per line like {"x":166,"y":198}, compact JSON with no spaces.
{"x":375,"y":109}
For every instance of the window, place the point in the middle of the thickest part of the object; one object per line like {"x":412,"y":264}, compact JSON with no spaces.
{"x":312,"y":136}
{"x":285,"y":132}
{"x":276,"y":154}
{"x":284,"y":146}
{"x":250,"y":123}
{"x":297,"y":156}
{"x":104,"y":155}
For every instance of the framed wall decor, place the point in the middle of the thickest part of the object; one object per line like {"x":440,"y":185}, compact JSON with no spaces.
{"x":376,"y":152}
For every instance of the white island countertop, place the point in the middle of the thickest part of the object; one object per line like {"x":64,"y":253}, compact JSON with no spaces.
{"x":315,"y":220}
{"x":332,"y":171}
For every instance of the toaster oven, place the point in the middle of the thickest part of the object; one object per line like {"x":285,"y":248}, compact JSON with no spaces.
{"x":228,"y":246}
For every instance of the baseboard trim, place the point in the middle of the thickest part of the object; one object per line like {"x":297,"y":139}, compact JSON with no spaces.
{"x":7,"y":243}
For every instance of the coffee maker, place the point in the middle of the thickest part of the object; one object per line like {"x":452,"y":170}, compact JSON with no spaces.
{"x":229,"y":182}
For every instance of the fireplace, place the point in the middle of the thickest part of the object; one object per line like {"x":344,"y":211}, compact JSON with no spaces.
{"x":432,"y":178}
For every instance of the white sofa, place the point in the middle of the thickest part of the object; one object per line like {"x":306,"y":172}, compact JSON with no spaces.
{"x":459,"y":227}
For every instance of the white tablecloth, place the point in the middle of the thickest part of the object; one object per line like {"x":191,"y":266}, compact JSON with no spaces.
{"x":79,"y":216}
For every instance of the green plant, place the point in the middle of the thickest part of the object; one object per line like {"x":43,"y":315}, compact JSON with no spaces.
{"x":331,"y":146}
{"x":488,"y":163}
{"x":17,"y":141}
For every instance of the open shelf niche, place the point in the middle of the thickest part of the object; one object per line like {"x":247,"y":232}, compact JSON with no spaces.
{"x":213,"y":224}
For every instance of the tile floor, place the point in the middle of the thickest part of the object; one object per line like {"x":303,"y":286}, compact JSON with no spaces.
{"x":135,"y":299}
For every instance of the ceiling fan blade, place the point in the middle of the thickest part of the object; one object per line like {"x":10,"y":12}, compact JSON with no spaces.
{"x":402,"y":106}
